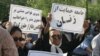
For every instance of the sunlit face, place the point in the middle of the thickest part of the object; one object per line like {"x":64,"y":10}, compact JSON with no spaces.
{"x":55,"y":37}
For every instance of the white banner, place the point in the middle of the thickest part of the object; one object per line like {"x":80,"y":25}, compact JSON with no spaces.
{"x":42,"y":53}
{"x":67,"y":18}
{"x":28,"y":19}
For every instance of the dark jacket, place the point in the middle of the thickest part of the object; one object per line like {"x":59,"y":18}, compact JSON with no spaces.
{"x":42,"y":43}
{"x":23,"y":51}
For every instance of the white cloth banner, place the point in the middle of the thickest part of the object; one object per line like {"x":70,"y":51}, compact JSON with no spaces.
{"x":42,"y":53}
{"x":67,"y":18}
{"x":28,"y":19}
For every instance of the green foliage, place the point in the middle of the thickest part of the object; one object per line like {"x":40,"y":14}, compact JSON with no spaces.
{"x":5,"y":6}
{"x":3,"y":9}
{"x":45,"y":5}
{"x":94,"y":12}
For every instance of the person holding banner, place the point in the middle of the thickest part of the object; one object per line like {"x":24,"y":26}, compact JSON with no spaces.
{"x":56,"y":41}
{"x":51,"y":42}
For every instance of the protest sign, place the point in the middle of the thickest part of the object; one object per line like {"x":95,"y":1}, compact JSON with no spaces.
{"x":42,"y":53}
{"x":67,"y":18}
{"x":28,"y":19}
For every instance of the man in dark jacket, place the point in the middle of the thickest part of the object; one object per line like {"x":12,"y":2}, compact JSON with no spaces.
{"x":53,"y":41}
{"x":56,"y":41}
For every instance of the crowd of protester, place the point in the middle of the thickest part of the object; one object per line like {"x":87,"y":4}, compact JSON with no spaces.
{"x":13,"y":42}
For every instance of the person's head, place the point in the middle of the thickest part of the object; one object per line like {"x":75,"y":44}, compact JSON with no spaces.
{"x":4,"y":22}
{"x":55,"y":37}
{"x":98,"y":25}
{"x":16,"y":32}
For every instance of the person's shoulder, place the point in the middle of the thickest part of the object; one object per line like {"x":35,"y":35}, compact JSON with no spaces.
{"x":3,"y":32}
{"x":1,"y":28}
{"x":97,"y":37}
{"x":95,"y":41}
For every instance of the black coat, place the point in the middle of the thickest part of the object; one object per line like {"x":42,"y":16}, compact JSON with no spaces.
{"x":23,"y":51}
{"x":42,"y":44}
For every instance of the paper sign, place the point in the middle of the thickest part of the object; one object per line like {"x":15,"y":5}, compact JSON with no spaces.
{"x":42,"y":53}
{"x":28,"y":19}
{"x":67,"y":18}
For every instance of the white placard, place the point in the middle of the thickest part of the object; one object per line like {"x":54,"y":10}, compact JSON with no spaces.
{"x":42,"y":53}
{"x":28,"y":19}
{"x":67,"y":18}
